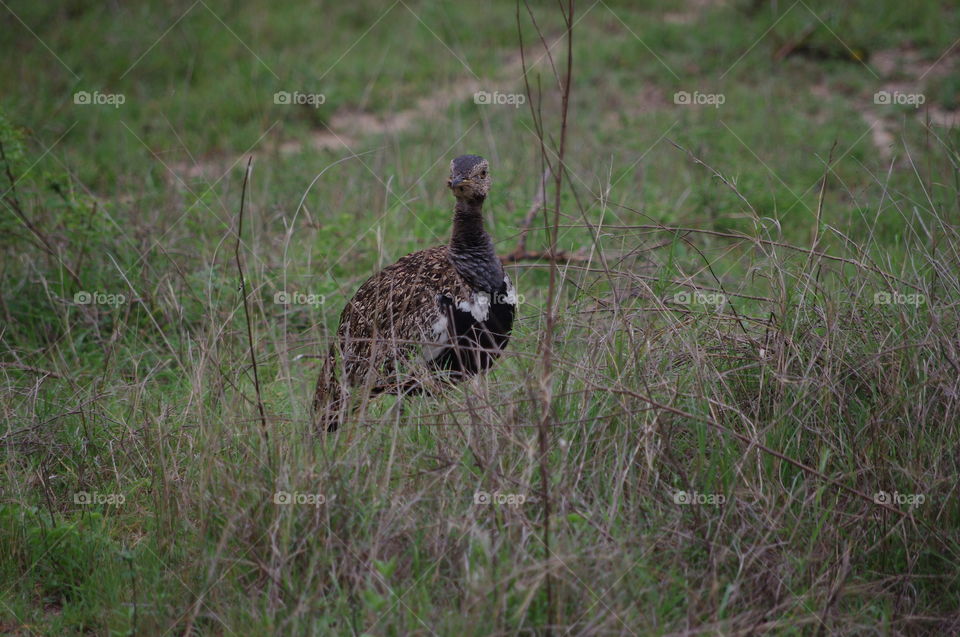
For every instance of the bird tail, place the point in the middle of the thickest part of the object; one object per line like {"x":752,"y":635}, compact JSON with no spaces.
{"x":330,"y":396}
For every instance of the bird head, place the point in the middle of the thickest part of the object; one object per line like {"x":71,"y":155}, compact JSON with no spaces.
{"x":469,"y":177}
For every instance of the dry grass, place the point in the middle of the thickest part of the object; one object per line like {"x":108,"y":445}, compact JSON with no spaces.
{"x":697,"y":429}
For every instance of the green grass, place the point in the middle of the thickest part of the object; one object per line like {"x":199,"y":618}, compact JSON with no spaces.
{"x":797,"y":393}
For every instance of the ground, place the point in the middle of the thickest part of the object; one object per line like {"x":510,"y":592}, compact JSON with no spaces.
{"x":735,"y":411}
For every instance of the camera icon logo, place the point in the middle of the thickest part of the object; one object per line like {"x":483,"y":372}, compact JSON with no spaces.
{"x":881,"y":298}
{"x":83,"y":298}
{"x":681,"y":97}
{"x":481,"y":497}
{"x":681,"y":497}
{"x":482,"y":97}
{"x":281,"y":298}
{"x":82,"y":497}
{"x":282,"y":497}
{"x":281,"y":97}
{"x":684,"y":298}
{"x":881,"y":497}
{"x":882,"y":97}
{"x":81,"y":97}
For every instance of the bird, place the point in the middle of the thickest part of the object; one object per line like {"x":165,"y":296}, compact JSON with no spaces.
{"x":432,"y":319}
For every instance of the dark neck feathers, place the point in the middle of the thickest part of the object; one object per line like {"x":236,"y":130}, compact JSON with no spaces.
{"x":471,"y":248}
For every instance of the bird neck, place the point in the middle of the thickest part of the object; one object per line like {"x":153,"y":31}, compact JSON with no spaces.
{"x":468,"y":232}
{"x":471,"y":248}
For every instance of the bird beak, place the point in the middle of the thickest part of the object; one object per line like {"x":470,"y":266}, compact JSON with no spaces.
{"x":456,"y":181}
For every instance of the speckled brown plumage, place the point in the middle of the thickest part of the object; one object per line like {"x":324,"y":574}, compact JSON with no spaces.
{"x":437,"y":315}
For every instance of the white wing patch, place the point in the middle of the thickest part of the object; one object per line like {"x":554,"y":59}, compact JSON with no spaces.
{"x":511,"y":298}
{"x":439,"y":339}
{"x":478,"y":307}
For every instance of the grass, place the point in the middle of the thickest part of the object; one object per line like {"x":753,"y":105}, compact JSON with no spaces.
{"x":729,"y":393}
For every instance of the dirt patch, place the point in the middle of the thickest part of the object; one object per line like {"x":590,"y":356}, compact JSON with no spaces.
{"x":943,"y":117}
{"x":908,"y":63}
{"x":346,"y":126}
{"x":905,"y":77}
{"x":880,"y":134}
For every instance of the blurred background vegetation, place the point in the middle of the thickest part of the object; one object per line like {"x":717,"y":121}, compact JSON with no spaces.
{"x":153,"y":398}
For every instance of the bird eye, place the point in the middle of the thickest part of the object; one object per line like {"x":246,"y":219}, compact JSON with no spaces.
{"x":483,"y":174}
